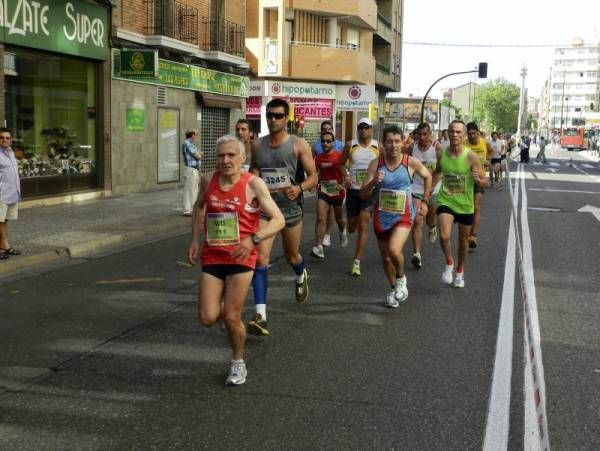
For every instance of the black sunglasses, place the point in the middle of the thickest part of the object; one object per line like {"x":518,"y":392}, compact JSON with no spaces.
{"x":326,"y":141}
{"x":363,"y":126}
{"x":277,"y":116}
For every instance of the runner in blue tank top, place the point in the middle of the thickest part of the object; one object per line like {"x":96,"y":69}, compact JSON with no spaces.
{"x":388,"y":180}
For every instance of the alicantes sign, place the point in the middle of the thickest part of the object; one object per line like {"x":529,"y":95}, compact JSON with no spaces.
{"x":72,"y":27}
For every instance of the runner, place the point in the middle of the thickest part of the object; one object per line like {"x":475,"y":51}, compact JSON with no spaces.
{"x":229,"y":205}
{"x":280,"y":158}
{"x":496,"y":157}
{"x":483,"y":150}
{"x":503,"y":154}
{"x":426,"y":150}
{"x":243,"y":131}
{"x":317,"y":149}
{"x":357,"y":154}
{"x":390,"y":178}
{"x":459,"y":169}
{"x":444,"y":140}
{"x":330,"y":193}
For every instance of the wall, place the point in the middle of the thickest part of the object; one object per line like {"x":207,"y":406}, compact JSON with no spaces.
{"x":2,"y":96}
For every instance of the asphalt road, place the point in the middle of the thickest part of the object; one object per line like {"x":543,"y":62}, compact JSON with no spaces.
{"x":108,"y":354}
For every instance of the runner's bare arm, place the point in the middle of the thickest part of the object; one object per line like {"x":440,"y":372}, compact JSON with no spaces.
{"x":477,"y":171}
{"x":490,"y":152}
{"x":302,"y":151}
{"x":257,"y":188}
{"x":437,"y":172}
{"x":343,"y":164}
{"x":419,"y":168}
{"x":253,"y":166}
{"x":372,"y":178}
{"x":198,"y":218}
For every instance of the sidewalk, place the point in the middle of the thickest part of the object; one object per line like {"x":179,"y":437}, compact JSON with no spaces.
{"x":49,"y":234}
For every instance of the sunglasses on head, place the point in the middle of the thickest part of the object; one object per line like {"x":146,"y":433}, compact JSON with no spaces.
{"x":277,"y":116}
{"x":326,"y":141}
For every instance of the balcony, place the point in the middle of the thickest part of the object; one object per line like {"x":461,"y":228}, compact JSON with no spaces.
{"x":361,"y":13}
{"x":223,"y":36}
{"x":172,"y":19}
{"x":384,"y":30}
{"x":384,"y":76}
{"x":336,"y":64}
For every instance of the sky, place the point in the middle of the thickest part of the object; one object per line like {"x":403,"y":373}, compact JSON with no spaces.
{"x":499,"y":22}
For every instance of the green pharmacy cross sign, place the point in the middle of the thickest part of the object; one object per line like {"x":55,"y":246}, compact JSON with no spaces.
{"x":73,"y":27}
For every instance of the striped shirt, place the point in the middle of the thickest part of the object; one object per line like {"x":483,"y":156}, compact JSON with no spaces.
{"x":10,"y":187}
{"x":189,"y":149}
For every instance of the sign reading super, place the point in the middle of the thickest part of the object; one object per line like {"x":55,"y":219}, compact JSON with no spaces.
{"x":72,"y":27}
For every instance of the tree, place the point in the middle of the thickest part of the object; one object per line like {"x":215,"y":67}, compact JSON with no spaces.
{"x":497,"y":106}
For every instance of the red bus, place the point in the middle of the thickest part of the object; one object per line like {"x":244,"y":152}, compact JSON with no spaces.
{"x":573,"y":138}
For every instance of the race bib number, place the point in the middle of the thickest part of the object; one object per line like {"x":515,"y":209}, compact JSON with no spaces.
{"x":454,"y":184}
{"x":330,"y":187}
{"x":360,"y":175}
{"x":222,"y":229}
{"x":392,"y":201}
{"x":277,"y":179}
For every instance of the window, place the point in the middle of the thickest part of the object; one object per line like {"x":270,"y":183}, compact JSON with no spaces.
{"x":353,"y":39}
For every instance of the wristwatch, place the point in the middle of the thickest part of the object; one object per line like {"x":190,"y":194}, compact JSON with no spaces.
{"x":255,"y":239}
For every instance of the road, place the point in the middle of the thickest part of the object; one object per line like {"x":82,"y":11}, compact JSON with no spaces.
{"x":107,"y":353}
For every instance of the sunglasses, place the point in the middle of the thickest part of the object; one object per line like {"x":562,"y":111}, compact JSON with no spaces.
{"x":277,"y":116}
{"x":363,"y":127}
{"x":326,"y":141}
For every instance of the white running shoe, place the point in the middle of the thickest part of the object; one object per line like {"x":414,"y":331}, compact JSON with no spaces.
{"x":459,"y":280}
{"x":390,"y":300}
{"x":355,"y":271}
{"x":326,"y":240}
{"x":344,"y":238}
{"x":317,"y":251}
{"x":433,"y":234}
{"x":447,"y":274}
{"x":237,"y":373}
{"x":401,"y":291}
{"x":416,"y":260}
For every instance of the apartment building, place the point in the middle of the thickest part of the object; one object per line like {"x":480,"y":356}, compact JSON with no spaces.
{"x":332,"y":59}
{"x":575,"y":84}
{"x":463,"y":98}
{"x":177,"y":65}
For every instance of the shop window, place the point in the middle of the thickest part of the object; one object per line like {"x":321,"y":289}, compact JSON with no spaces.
{"x":51,"y":108}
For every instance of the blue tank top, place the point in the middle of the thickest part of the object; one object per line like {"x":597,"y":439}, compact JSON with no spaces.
{"x":393,"y":197}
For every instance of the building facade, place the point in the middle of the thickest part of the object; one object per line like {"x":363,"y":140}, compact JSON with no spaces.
{"x":54,"y":93}
{"x":575,"y":84}
{"x":463,"y":97}
{"x":331,"y":60}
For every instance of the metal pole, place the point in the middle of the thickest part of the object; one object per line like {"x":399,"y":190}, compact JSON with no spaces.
{"x":562,"y":104}
{"x":521,"y":102}
{"x":434,"y":83}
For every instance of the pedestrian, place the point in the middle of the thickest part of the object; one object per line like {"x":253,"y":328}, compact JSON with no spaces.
{"x":10,"y":192}
{"x":444,"y":139}
{"x":525,"y":141}
{"x":192,"y":158}
{"x":542,"y":153}
{"x":230,"y":205}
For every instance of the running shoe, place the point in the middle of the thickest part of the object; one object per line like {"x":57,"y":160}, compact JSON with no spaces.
{"x":390,"y":300}
{"x":317,"y":251}
{"x":472,"y":242}
{"x":257,"y":326}
{"x":344,"y":238}
{"x":447,"y":274}
{"x":459,"y":280}
{"x":416,"y":260}
{"x":433,"y":235}
{"x":302,"y":289}
{"x":355,"y":271}
{"x":237,"y":374}
{"x":326,"y":240}
{"x":401,"y":291}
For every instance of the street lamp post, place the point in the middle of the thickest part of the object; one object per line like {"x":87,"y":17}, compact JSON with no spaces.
{"x":521,"y":102}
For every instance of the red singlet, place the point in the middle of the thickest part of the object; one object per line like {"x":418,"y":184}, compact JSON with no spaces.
{"x":327,"y":164}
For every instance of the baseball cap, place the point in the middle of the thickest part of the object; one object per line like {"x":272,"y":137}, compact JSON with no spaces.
{"x":366,"y":121}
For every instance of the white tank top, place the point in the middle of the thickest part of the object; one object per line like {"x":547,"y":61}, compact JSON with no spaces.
{"x":496,"y":148}
{"x":360,"y":157}
{"x":429,"y":159}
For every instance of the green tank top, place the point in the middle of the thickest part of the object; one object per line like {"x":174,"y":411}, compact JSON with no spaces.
{"x":457,"y":191}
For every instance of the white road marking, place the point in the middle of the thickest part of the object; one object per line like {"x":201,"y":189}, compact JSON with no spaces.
{"x":589,"y":166}
{"x":563,"y":191}
{"x":498,"y":417}
{"x":554,"y":163}
{"x":591,"y":209}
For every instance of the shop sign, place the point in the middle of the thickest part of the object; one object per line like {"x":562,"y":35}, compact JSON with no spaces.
{"x":306,"y":90}
{"x":312,"y":109}
{"x":257,"y":87}
{"x":139,"y":63}
{"x":73,"y":27}
{"x":354,"y":97}
{"x":186,"y":76}
{"x":253,"y":104}
{"x":168,"y":145}
{"x":135,"y":120}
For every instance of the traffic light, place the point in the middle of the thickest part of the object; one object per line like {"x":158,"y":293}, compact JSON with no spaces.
{"x":372,"y":111}
{"x":482,"y":70}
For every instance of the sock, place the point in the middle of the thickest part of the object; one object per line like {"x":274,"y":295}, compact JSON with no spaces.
{"x":260,"y":283}
{"x":261,"y":309}
{"x":237,"y":361}
{"x":450,"y":262}
{"x":459,"y":269}
{"x":357,"y":261}
{"x":299,"y":270}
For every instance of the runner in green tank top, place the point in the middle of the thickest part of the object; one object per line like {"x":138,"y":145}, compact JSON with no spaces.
{"x":459,"y":169}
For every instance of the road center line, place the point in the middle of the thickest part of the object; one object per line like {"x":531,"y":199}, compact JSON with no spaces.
{"x":563,"y":191}
{"x":498,"y":417}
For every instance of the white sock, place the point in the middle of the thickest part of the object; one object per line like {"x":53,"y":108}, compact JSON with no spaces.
{"x":357,"y":261}
{"x":300,"y":278}
{"x":261,"y":309}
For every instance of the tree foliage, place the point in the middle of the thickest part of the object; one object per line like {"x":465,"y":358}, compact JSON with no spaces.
{"x":497,"y":106}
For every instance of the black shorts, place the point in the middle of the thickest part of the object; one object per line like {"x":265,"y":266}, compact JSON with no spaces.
{"x":355,"y":204}
{"x":496,"y":160}
{"x":503,"y":157}
{"x":330,"y":201}
{"x":477,"y":188}
{"x":222,"y":271}
{"x":461,"y":218}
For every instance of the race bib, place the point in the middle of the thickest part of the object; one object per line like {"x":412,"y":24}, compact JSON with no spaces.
{"x":222,"y":229}
{"x":392,"y":201}
{"x":330,"y":187}
{"x":360,"y":175}
{"x":277,"y":179}
{"x":454,"y":184}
